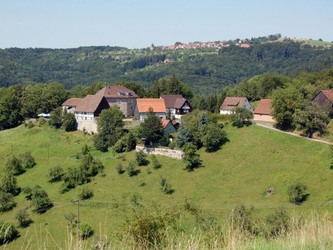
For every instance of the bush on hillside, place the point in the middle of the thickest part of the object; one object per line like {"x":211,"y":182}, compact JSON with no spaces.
{"x":55,"y":174}
{"x":86,"y":231}
{"x":279,"y":222}
{"x":141,"y":158}
{"x":6,"y":201}
{"x":297,"y":193}
{"x":85,"y":193}
{"x":27,"y":160}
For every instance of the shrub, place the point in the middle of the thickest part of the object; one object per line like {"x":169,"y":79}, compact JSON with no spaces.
{"x":125,"y":144}
{"x":141,"y":158}
{"x":8,"y":232}
{"x":156,"y":163}
{"x":86,"y":231}
{"x":191,"y":158}
{"x":297,"y":193}
{"x":85,"y":193}
{"x":131,"y":170}
{"x":165,"y":186}
{"x":120,"y":169}
{"x":55,"y":174}
{"x":69,"y":122}
{"x":240,"y":218}
{"x":278,"y":222}
{"x":6,"y":201}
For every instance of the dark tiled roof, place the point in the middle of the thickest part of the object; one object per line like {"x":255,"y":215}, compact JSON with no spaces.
{"x":170,"y":100}
{"x":89,"y":104}
{"x":264,"y":107}
{"x":72,"y":102}
{"x":117,"y":91}
{"x":329,"y":94}
{"x":230,"y":103}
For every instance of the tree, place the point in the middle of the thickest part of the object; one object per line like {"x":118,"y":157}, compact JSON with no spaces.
{"x":10,"y":107}
{"x":285,"y":102}
{"x":191,"y":158}
{"x":8,"y":182}
{"x":69,"y":122}
{"x":86,"y":231}
{"x":151,"y":128}
{"x":156,"y":163}
{"x":8,"y":232}
{"x":14,"y":165}
{"x":312,"y":119}
{"x":85,"y":193}
{"x":22,"y":218}
{"x":125,"y":143}
{"x":110,"y":128}
{"x":55,"y":174}
{"x":297,"y":193}
{"x":213,"y":137}
{"x":40,"y":200}
{"x":241,"y":116}
{"x":56,"y":118}
{"x":27,"y":160}
{"x":184,"y":135}
{"x":6,"y":201}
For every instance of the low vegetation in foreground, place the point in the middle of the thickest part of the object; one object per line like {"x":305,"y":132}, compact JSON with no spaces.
{"x":258,"y":191}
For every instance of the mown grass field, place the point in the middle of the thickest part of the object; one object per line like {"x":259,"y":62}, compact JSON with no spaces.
{"x":254,"y":160}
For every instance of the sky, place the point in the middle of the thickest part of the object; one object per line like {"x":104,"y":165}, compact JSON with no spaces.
{"x":141,"y":23}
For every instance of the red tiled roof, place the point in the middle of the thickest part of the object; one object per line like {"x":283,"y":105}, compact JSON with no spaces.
{"x":328,"y":93}
{"x":72,"y":102}
{"x":230,"y":103}
{"x":89,"y":104}
{"x":117,"y":91}
{"x":264,"y":107}
{"x":170,"y":100}
{"x":165,"y":122}
{"x":156,"y":104}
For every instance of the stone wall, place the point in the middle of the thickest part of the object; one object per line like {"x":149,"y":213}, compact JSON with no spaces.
{"x":172,"y":153}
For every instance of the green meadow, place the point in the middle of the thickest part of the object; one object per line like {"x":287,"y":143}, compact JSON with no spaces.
{"x":254,"y":160}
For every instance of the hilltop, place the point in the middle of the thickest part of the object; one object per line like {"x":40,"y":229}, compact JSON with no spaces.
{"x":205,"y":66}
{"x":240,"y":173}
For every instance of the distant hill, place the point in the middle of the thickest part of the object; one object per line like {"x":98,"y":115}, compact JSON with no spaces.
{"x":206,"y":67}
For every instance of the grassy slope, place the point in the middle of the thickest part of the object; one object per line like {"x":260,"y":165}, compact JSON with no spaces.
{"x":254,"y":160}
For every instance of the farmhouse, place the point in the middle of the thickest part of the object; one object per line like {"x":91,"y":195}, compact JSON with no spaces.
{"x":87,"y":112}
{"x":231,"y":103}
{"x":70,"y":104}
{"x":176,"y":105}
{"x":263,"y":111}
{"x":121,"y":96}
{"x":324,"y":98}
{"x":144,"y":104}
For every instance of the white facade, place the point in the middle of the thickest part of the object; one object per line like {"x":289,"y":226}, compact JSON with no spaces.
{"x":86,"y":122}
{"x":142,"y":116}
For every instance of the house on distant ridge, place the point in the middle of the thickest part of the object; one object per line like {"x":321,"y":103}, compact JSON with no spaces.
{"x":87,"y":112}
{"x":263,"y":111}
{"x":121,"y":96}
{"x":231,"y":103}
{"x":176,"y":105}
{"x":144,"y":104}
{"x":70,"y":104}
{"x":324,"y":98}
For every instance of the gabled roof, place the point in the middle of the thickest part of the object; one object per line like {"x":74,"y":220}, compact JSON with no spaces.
{"x":89,"y":104}
{"x":117,"y":91}
{"x":264,"y":107}
{"x":329,"y":94}
{"x":157,"y":104}
{"x":230,"y":103}
{"x":165,"y":122}
{"x":72,"y":102}
{"x":170,"y":100}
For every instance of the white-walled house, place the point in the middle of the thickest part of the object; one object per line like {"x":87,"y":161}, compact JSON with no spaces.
{"x":231,"y":103}
{"x":87,"y":112}
{"x":144,"y":104}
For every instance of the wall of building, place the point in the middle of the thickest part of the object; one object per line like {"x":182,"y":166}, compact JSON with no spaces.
{"x":127,"y":106}
{"x":90,"y":126}
{"x":264,"y":118}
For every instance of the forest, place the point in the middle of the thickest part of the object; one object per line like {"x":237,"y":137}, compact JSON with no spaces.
{"x":205,"y":70}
